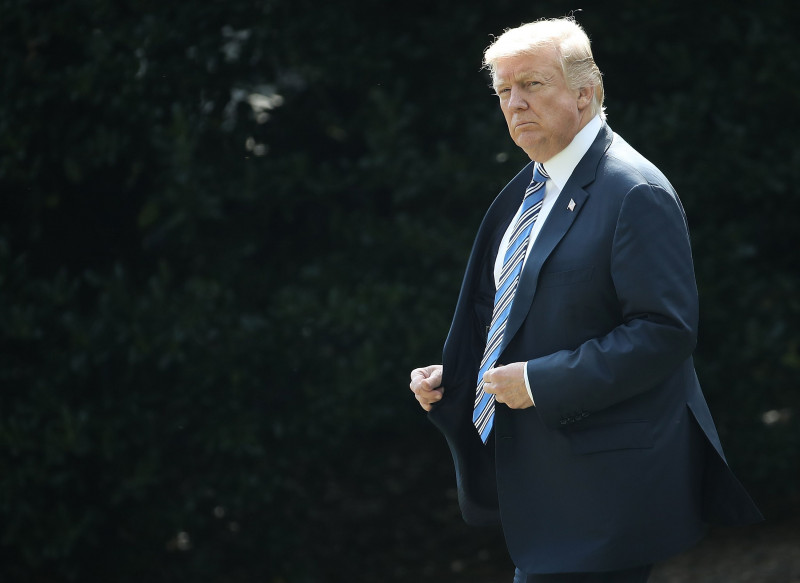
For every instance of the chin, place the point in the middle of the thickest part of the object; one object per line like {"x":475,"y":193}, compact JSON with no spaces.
{"x":536,"y":153}
{"x":530,"y":143}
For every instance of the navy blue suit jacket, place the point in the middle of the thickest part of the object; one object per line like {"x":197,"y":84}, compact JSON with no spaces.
{"x":619,"y":463}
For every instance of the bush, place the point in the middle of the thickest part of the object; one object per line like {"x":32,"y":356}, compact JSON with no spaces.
{"x":229,"y":231}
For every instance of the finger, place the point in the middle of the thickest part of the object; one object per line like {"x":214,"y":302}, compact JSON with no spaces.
{"x":426,"y":371}
{"x":426,"y":401}
{"x":488,"y":385}
{"x":435,"y":375}
{"x":418,"y":374}
{"x":432,"y":373}
{"x":423,"y":403}
{"x":421,"y":386}
{"x":427,"y":385}
{"x":429,"y":397}
{"x":432,"y":396}
{"x":418,"y":380}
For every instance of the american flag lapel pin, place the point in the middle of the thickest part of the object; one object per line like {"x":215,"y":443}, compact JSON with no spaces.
{"x":571,"y":205}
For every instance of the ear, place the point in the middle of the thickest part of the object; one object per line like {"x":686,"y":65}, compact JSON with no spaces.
{"x":585,"y":96}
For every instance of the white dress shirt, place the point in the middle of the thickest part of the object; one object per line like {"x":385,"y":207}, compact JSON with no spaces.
{"x":560,"y":168}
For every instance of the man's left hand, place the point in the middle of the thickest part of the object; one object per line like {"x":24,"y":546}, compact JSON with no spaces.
{"x":507,"y":384}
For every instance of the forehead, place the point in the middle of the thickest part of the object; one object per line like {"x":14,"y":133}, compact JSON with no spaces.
{"x":542,"y":63}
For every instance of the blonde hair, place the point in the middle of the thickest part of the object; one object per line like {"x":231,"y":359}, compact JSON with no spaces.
{"x":573,"y":50}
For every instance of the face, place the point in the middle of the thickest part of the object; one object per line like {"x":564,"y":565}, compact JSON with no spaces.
{"x":542,"y":113}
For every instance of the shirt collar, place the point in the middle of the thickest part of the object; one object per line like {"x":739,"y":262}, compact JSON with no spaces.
{"x":561,"y":166}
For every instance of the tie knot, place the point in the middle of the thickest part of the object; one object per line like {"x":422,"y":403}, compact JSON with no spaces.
{"x":539,"y":173}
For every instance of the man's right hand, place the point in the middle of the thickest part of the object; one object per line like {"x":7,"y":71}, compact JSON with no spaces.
{"x":426,"y":384}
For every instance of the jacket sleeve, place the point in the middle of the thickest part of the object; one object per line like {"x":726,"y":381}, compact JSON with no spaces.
{"x":653,"y":276}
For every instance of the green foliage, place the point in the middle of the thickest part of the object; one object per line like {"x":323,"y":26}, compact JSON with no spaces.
{"x":229,"y":230}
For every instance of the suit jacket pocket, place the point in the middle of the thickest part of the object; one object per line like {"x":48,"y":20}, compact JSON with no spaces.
{"x":566,"y":277}
{"x":611,"y":436}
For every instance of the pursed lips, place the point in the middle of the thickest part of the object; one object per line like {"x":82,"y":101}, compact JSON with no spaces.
{"x":523,"y":123}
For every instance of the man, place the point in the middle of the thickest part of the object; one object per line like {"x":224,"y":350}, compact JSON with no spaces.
{"x":567,"y":392}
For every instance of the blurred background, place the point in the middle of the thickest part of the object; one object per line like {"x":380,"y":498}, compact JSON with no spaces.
{"x":229,"y":230}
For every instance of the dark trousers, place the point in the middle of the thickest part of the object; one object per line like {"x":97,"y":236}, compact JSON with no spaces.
{"x":635,"y":575}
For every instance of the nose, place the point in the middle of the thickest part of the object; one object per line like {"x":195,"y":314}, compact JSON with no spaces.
{"x":517,"y":99}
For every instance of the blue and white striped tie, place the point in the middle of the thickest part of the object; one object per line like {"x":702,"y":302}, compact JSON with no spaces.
{"x":483,"y":413}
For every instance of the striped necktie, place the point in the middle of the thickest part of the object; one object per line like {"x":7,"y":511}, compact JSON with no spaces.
{"x":483,"y":413}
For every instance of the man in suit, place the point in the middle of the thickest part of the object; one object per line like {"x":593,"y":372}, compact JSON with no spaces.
{"x":567,"y":392}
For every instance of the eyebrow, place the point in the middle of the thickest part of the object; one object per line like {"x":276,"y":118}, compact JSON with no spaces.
{"x":522,"y":76}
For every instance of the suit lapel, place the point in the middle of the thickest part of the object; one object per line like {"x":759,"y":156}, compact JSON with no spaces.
{"x":459,"y":366}
{"x":558,"y":222}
